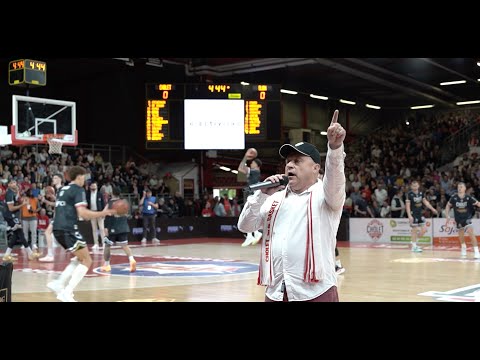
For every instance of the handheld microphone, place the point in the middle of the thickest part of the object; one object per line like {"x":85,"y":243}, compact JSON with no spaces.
{"x":267,"y":184}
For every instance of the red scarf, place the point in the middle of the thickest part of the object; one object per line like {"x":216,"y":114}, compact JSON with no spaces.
{"x":313,"y":272}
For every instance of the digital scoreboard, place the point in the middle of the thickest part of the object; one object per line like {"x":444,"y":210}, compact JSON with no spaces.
{"x":27,"y":72}
{"x":256,"y":112}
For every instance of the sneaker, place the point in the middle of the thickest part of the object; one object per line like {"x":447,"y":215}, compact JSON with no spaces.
{"x":248,"y":240}
{"x":34,"y":256}
{"x":133,"y":266}
{"x":95,"y":248}
{"x":156,"y":241}
{"x":65,"y":296}
{"x":55,"y":286}
{"x":417,"y":249}
{"x":144,"y":241}
{"x":339,"y":270}
{"x":106,"y":268}
{"x":257,"y":237}
{"x":463,"y":252}
{"x":8,"y":258}
{"x":47,"y":258}
{"x":476,"y":255}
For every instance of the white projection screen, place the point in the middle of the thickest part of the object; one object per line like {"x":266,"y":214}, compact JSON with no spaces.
{"x":214,"y":124}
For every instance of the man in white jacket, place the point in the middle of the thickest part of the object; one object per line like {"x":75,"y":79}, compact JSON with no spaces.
{"x":300,"y":222}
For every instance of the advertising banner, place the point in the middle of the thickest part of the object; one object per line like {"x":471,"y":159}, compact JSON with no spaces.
{"x":382,"y":230}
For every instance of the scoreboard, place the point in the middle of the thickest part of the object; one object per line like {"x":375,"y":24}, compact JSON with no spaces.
{"x":165,"y":111}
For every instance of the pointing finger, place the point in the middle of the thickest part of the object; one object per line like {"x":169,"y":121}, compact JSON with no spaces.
{"x":334,"y":118}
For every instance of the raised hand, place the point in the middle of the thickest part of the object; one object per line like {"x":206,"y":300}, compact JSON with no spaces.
{"x":335,"y":133}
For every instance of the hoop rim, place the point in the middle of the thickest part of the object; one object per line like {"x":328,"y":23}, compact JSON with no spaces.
{"x":40,"y":140}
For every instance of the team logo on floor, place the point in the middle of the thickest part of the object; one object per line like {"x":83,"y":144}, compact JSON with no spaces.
{"x":183,"y":268}
{"x":465,"y":294}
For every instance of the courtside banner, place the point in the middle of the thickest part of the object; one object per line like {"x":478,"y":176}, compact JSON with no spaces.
{"x":446,"y":234}
{"x":382,"y":230}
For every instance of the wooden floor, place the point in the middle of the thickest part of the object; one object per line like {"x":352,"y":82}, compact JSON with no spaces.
{"x":220,"y":270}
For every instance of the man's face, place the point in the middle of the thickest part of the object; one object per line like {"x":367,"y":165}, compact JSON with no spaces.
{"x":93,"y":187}
{"x":56,"y":180}
{"x":301,"y":170}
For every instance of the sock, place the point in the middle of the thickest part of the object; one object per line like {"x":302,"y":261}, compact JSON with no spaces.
{"x":65,"y":275}
{"x":131,"y":258}
{"x":338,"y":263}
{"x":50,"y":251}
{"x":77,"y":276}
{"x":8,"y":251}
{"x":29,"y":250}
{"x":475,"y":248}
{"x":107,"y":262}
{"x":414,"y":244}
{"x":464,"y":246}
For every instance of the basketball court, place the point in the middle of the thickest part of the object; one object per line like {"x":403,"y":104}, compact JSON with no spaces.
{"x":220,"y":270}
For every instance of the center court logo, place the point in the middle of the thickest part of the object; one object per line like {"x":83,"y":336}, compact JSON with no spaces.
{"x":375,"y":229}
{"x":184,"y":268}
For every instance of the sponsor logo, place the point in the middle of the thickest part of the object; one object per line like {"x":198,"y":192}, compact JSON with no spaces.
{"x":375,"y":229}
{"x":465,"y":294}
{"x":182,"y":268}
{"x":228,"y":228}
{"x":448,"y":229}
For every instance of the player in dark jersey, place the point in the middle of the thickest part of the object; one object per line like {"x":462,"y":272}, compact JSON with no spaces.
{"x":71,"y":204}
{"x":253,"y":172}
{"x":414,"y":204}
{"x":463,"y":209}
{"x":57,"y":183}
{"x":116,"y":232}
{"x":11,"y":214}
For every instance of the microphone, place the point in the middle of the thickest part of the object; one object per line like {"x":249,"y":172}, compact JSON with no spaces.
{"x":267,"y":184}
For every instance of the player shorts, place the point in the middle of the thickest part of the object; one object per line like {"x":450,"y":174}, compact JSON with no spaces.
{"x":119,"y":239}
{"x":70,"y":240}
{"x":463,"y":224}
{"x":418,"y":221}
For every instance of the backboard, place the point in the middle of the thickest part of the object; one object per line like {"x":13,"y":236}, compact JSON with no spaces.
{"x":33,"y":118}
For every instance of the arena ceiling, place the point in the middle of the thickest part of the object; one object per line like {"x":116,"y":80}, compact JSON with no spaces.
{"x":386,"y":82}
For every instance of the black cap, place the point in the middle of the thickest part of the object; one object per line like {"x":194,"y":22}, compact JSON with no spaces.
{"x":303,"y":148}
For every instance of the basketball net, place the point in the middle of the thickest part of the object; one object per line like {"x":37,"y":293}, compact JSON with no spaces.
{"x":54,"y":144}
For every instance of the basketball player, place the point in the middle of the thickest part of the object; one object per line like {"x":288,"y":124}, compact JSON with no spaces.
{"x":464,"y":209}
{"x":116,"y":231}
{"x":71,"y":204}
{"x":11,"y":213}
{"x":57,"y":183}
{"x":415,"y":203}
{"x":252,"y":170}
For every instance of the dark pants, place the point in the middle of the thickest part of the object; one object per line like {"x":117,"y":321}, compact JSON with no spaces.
{"x":331,"y":295}
{"x":17,"y":237}
{"x":149,"y":224}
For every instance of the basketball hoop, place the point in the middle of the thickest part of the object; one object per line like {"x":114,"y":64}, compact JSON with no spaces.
{"x":54,"y":143}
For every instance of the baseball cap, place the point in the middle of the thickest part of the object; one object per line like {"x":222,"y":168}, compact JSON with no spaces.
{"x":301,"y":147}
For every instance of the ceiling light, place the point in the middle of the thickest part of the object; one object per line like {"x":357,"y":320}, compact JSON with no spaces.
{"x":422,"y":107}
{"x":468,"y":102}
{"x":289,"y":92}
{"x":323,"y":133}
{"x":373,"y":106}
{"x":244,"y":83}
{"x":478,"y":63}
{"x":224,"y":168}
{"x":347,"y":102}
{"x":235,"y":171}
{"x":453,"y":82}
{"x":318,"y":97}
